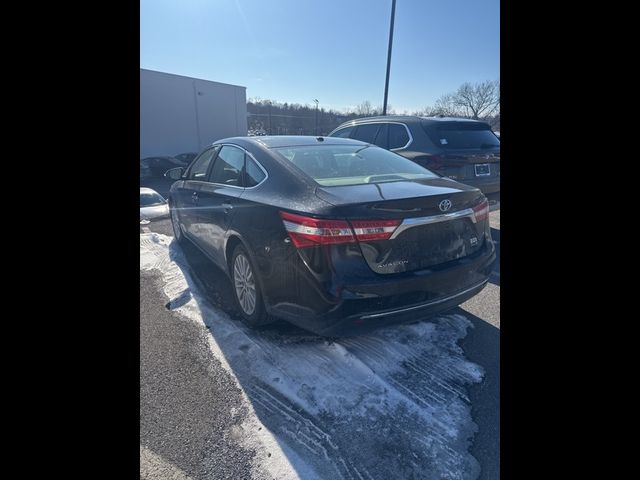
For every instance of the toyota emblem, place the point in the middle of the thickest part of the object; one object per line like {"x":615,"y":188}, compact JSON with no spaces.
{"x":444,"y":205}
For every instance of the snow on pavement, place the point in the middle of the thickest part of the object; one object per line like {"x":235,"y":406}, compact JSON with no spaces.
{"x":389,"y":404}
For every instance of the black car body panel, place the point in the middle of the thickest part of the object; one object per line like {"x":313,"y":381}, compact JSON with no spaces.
{"x":476,"y":164}
{"x":348,"y":287}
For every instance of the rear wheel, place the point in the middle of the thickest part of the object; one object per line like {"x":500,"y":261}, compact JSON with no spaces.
{"x":246,"y":289}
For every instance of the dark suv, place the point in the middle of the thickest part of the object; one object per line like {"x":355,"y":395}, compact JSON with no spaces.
{"x":464,"y":150}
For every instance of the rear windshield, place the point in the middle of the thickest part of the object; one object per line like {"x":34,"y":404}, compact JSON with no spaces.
{"x":150,"y":199}
{"x":334,"y":165}
{"x":462,"y":135}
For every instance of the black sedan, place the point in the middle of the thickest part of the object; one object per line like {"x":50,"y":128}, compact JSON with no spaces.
{"x":334,"y":235}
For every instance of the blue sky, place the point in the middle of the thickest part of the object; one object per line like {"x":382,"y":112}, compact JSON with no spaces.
{"x":332,"y":50}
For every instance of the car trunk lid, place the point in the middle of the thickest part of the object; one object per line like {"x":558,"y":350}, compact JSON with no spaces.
{"x":435,"y":221}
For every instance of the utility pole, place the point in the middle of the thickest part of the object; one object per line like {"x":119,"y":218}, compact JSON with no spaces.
{"x":315,"y":100}
{"x":269,"y":117}
{"x":386,"y":83}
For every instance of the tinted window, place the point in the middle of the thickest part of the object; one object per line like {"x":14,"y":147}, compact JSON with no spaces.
{"x":333,"y":165}
{"x":254,"y":174}
{"x":227,"y":170}
{"x":398,"y":136}
{"x":462,"y":135}
{"x":382,"y":138}
{"x":342,"y":133}
{"x":201,"y":165}
{"x":366,"y":133}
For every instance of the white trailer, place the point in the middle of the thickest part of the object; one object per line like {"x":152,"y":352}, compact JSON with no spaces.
{"x":183,"y":114}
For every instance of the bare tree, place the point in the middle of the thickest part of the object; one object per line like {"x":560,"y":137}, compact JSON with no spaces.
{"x":445,"y":105}
{"x":479,"y":99}
{"x":390,"y":110}
{"x":365,"y":109}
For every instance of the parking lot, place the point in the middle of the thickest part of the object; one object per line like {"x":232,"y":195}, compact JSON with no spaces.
{"x":221,"y":401}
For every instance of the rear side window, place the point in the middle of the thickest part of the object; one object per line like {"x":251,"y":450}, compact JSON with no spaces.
{"x":253,"y":174}
{"x":398,"y":136}
{"x":366,"y":133}
{"x":343,"y":132}
{"x":335,"y":165}
{"x":227,"y":170}
{"x":382,"y":138}
{"x":462,"y":135}
{"x":201,"y":165}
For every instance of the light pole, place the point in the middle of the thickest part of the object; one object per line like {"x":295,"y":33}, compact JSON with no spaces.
{"x":386,"y":83}
{"x":315,"y":100}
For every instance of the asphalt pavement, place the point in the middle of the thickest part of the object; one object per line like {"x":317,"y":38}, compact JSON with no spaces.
{"x":189,"y":405}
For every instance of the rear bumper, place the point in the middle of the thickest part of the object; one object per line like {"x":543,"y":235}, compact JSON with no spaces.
{"x":362,"y":323}
{"x":365,"y":306}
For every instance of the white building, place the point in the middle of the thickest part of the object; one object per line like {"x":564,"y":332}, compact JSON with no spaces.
{"x":183,"y":114}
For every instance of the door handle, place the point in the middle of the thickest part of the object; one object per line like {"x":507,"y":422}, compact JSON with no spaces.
{"x":194,"y":197}
{"x":227,"y":207}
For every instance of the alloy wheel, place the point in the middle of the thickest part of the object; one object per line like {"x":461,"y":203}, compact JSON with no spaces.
{"x":245,"y":284}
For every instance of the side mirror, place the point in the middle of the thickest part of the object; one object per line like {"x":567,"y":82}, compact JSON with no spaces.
{"x":174,"y":173}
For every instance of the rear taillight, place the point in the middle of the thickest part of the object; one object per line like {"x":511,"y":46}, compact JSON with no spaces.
{"x":308,"y":232}
{"x":374,"y":229}
{"x":481,"y":211}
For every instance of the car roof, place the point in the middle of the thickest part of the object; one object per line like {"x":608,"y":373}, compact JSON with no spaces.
{"x":148,"y":190}
{"x":450,"y":119}
{"x":274,"y":141}
{"x":407,"y":119}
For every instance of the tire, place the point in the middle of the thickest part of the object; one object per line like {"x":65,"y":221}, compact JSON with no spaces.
{"x":175,"y":223}
{"x":246,"y":289}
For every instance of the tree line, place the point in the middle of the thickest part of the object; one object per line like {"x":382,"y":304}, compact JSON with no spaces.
{"x":478,"y":101}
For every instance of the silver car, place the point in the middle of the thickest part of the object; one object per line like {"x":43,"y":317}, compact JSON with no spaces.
{"x":152,"y":205}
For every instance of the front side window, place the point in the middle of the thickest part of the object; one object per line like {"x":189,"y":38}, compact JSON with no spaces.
{"x":201,"y":165}
{"x":336,"y":165}
{"x":227,"y":170}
